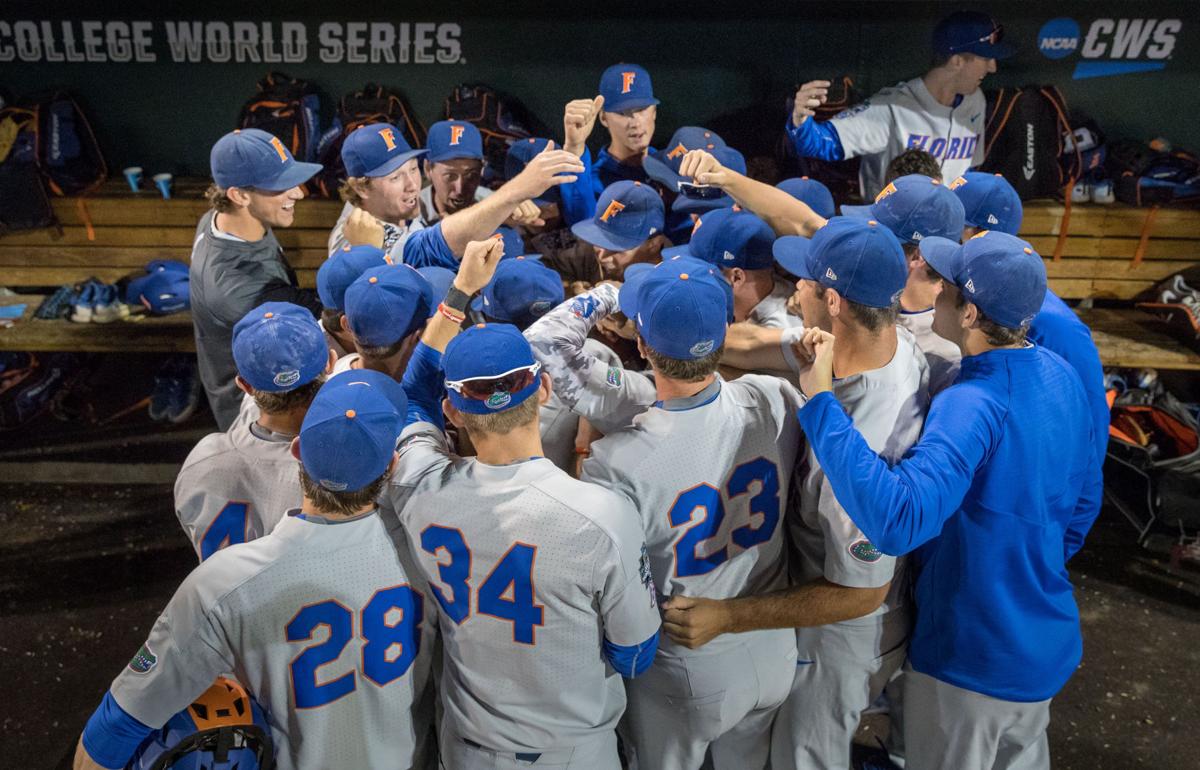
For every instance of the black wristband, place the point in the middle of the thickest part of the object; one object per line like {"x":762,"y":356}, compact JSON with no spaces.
{"x":456,"y":299}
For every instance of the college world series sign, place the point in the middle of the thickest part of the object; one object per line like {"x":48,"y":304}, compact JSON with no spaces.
{"x":222,"y":42}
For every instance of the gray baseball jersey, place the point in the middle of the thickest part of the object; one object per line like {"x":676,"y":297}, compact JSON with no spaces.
{"x":608,"y":396}
{"x":558,"y":424}
{"x":394,"y":236}
{"x":327,"y":625}
{"x":906,"y":115}
{"x":710,"y":477}
{"x":942,"y":355}
{"x":772,"y":312}
{"x":888,"y":407}
{"x":535,"y":573}
{"x":235,"y":486}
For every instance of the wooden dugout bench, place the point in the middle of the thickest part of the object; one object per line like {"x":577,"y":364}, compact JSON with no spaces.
{"x":1112,"y":252}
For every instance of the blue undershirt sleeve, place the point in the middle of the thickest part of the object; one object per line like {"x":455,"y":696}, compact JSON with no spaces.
{"x":899,"y":507}
{"x":631,"y":660}
{"x":815,"y":139}
{"x":428,"y":248}
{"x":422,"y":383}
{"x":111,"y":735}
{"x":578,"y":198}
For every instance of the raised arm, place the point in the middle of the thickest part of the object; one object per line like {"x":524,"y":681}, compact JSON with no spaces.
{"x":785,"y":214}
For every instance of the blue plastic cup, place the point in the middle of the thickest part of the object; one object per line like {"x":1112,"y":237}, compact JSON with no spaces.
{"x":163,"y":183}
{"x":133,"y":175}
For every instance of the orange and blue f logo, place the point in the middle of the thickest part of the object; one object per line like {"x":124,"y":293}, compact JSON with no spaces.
{"x":456,"y":133}
{"x":280,"y":150}
{"x":614,"y":208}
{"x":389,"y":137}
{"x":676,"y":151}
{"x":885,"y":192}
{"x":627,"y":81}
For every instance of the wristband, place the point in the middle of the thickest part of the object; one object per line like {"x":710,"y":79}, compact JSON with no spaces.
{"x":457,"y":300}
{"x":451,"y":313}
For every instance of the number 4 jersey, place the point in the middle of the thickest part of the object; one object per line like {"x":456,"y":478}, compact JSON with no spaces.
{"x":710,"y":476}
{"x":322,"y":623}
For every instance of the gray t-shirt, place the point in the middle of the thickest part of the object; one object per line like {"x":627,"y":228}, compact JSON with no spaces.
{"x":227,"y":279}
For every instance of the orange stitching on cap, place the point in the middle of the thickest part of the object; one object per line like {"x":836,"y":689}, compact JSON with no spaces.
{"x":872,"y":222}
{"x":934,"y":182}
{"x":480,"y":326}
{"x":804,"y":177}
{"x":684,"y":276}
{"x":237,"y":130}
{"x":1027,"y":250}
{"x":268,"y":315}
{"x":999,"y":175}
{"x":637,"y":184}
{"x":373,"y":279}
{"x":351,"y":413}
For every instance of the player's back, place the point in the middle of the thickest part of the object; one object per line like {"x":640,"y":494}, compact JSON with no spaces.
{"x":710,"y":476}
{"x":523,"y":561}
{"x":328,"y":627}
{"x":235,"y":486}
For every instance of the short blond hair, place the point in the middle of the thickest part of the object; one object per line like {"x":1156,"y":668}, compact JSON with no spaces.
{"x":348,"y":190}
{"x":502,"y":422}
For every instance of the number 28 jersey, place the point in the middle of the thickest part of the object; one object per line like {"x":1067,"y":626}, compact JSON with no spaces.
{"x":710,"y":476}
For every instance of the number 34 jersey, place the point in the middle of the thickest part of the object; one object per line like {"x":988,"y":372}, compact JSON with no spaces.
{"x":710,"y":476}
{"x":536,"y":576}
{"x":323,"y":624}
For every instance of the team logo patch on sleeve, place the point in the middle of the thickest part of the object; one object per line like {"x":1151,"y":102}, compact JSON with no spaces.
{"x":647,"y":577}
{"x":613,"y":377}
{"x":144,"y":660}
{"x":864,"y":551}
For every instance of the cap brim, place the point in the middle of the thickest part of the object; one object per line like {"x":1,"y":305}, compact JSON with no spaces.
{"x":685,"y":205}
{"x":634,"y":103}
{"x":589,"y":231}
{"x":391,"y":164}
{"x":452,"y":155}
{"x":946,"y":264}
{"x":677,"y":251}
{"x":662,"y":173}
{"x":294,"y":176}
{"x":995,"y":51}
{"x":859,"y":212}
{"x":791,"y":253}
{"x":628,"y":294}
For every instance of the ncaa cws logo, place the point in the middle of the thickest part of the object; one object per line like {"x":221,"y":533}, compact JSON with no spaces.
{"x":1111,"y":46}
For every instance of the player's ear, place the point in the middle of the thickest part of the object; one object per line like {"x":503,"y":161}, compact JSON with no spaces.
{"x":603,"y":118}
{"x":642,"y":348}
{"x":345,"y":322}
{"x":544,"y":388}
{"x":452,"y":414}
{"x":243,"y":386}
{"x":295,"y":447}
{"x":333,"y":357}
{"x":833,"y":302}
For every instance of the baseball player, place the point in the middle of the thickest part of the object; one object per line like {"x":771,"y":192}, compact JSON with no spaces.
{"x":629,"y":111}
{"x":847,"y":601}
{"x":237,"y":264}
{"x":542,"y":582}
{"x":991,"y":203}
{"x":997,"y":495}
{"x":234,"y":486}
{"x":382,"y":196}
{"x":941,"y":112}
{"x":739,"y":244}
{"x":386,"y":308}
{"x":454,"y":165}
{"x":333,"y":278}
{"x":708,"y":468}
{"x":627,"y":227}
{"x":322,"y":620}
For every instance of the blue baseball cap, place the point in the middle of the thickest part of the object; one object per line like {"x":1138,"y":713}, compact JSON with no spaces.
{"x":999,"y":273}
{"x":940,"y":251}
{"x":627,"y":215}
{"x":250,"y":157}
{"x":811,"y":193}
{"x":989,"y":201}
{"x":520,"y":152}
{"x":489,"y":352}
{"x":376,"y":149}
{"x":342,"y":269}
{"x":914,"y":207}
{"x":665,"y":167}
{"x":971,"y":32}
{"x":862,"y":260}
{"x":440,"y":280}
{"x":728,"y":239}
{"x":626,"y":87}
{"x":681,"y":307}
{"x":514,"y":244}
{"x":348,"y":436}
{"x":278,"y":346}
{"x":730,"y":159}
{"x":387,"y":303}
{"x":449,"y":139}
{"x":162,"y":290}
{"x":522,"y":291}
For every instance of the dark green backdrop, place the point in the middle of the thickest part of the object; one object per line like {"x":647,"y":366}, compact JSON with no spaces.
{"x":731,"y":64}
